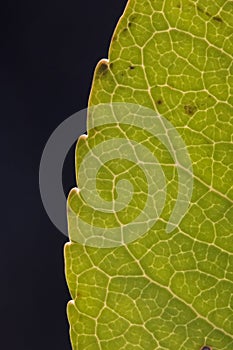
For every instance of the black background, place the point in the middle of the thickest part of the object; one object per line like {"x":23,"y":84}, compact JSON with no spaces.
{"x":49,"y":50}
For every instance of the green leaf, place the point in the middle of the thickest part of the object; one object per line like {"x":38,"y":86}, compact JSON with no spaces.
{"x":170,"y":291}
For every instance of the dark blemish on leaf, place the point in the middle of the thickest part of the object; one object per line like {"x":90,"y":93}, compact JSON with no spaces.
{"x":131,"y":67}
{"x":102,"y":68}
{"x":178,"y":6}
{"x":206,"y":348}
{"x":190,"y":109}
{"x":208,"y":14}
{"x":159,"y":102}
{"x":114,"y":38}
{"x":132,"y":19}
{"x":125,"y":30}
{"x":215,"y":18}
{"x":218,"y":19}
{"x":111,"y":65}
{"x":130,"y":24}
{"x":202,"y":11}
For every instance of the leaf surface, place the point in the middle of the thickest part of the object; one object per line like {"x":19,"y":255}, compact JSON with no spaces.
{"x":162,"y":291}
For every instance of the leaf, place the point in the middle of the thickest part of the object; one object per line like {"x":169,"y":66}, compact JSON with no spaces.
{"x":163,"y":290}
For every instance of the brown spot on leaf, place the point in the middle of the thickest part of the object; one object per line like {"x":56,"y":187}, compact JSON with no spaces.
{"x":200,"y":9}
{"x":159,"y":102}
{"x":131,"y":67}
{"x":133,"y":18}
{"x":215,"y":18}
{"x":218,"y":19}
{"x":190,"y":109}
{"x":102,"y":68}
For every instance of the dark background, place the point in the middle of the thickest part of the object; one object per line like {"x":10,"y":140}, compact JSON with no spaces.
{"x":49,"y":50}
